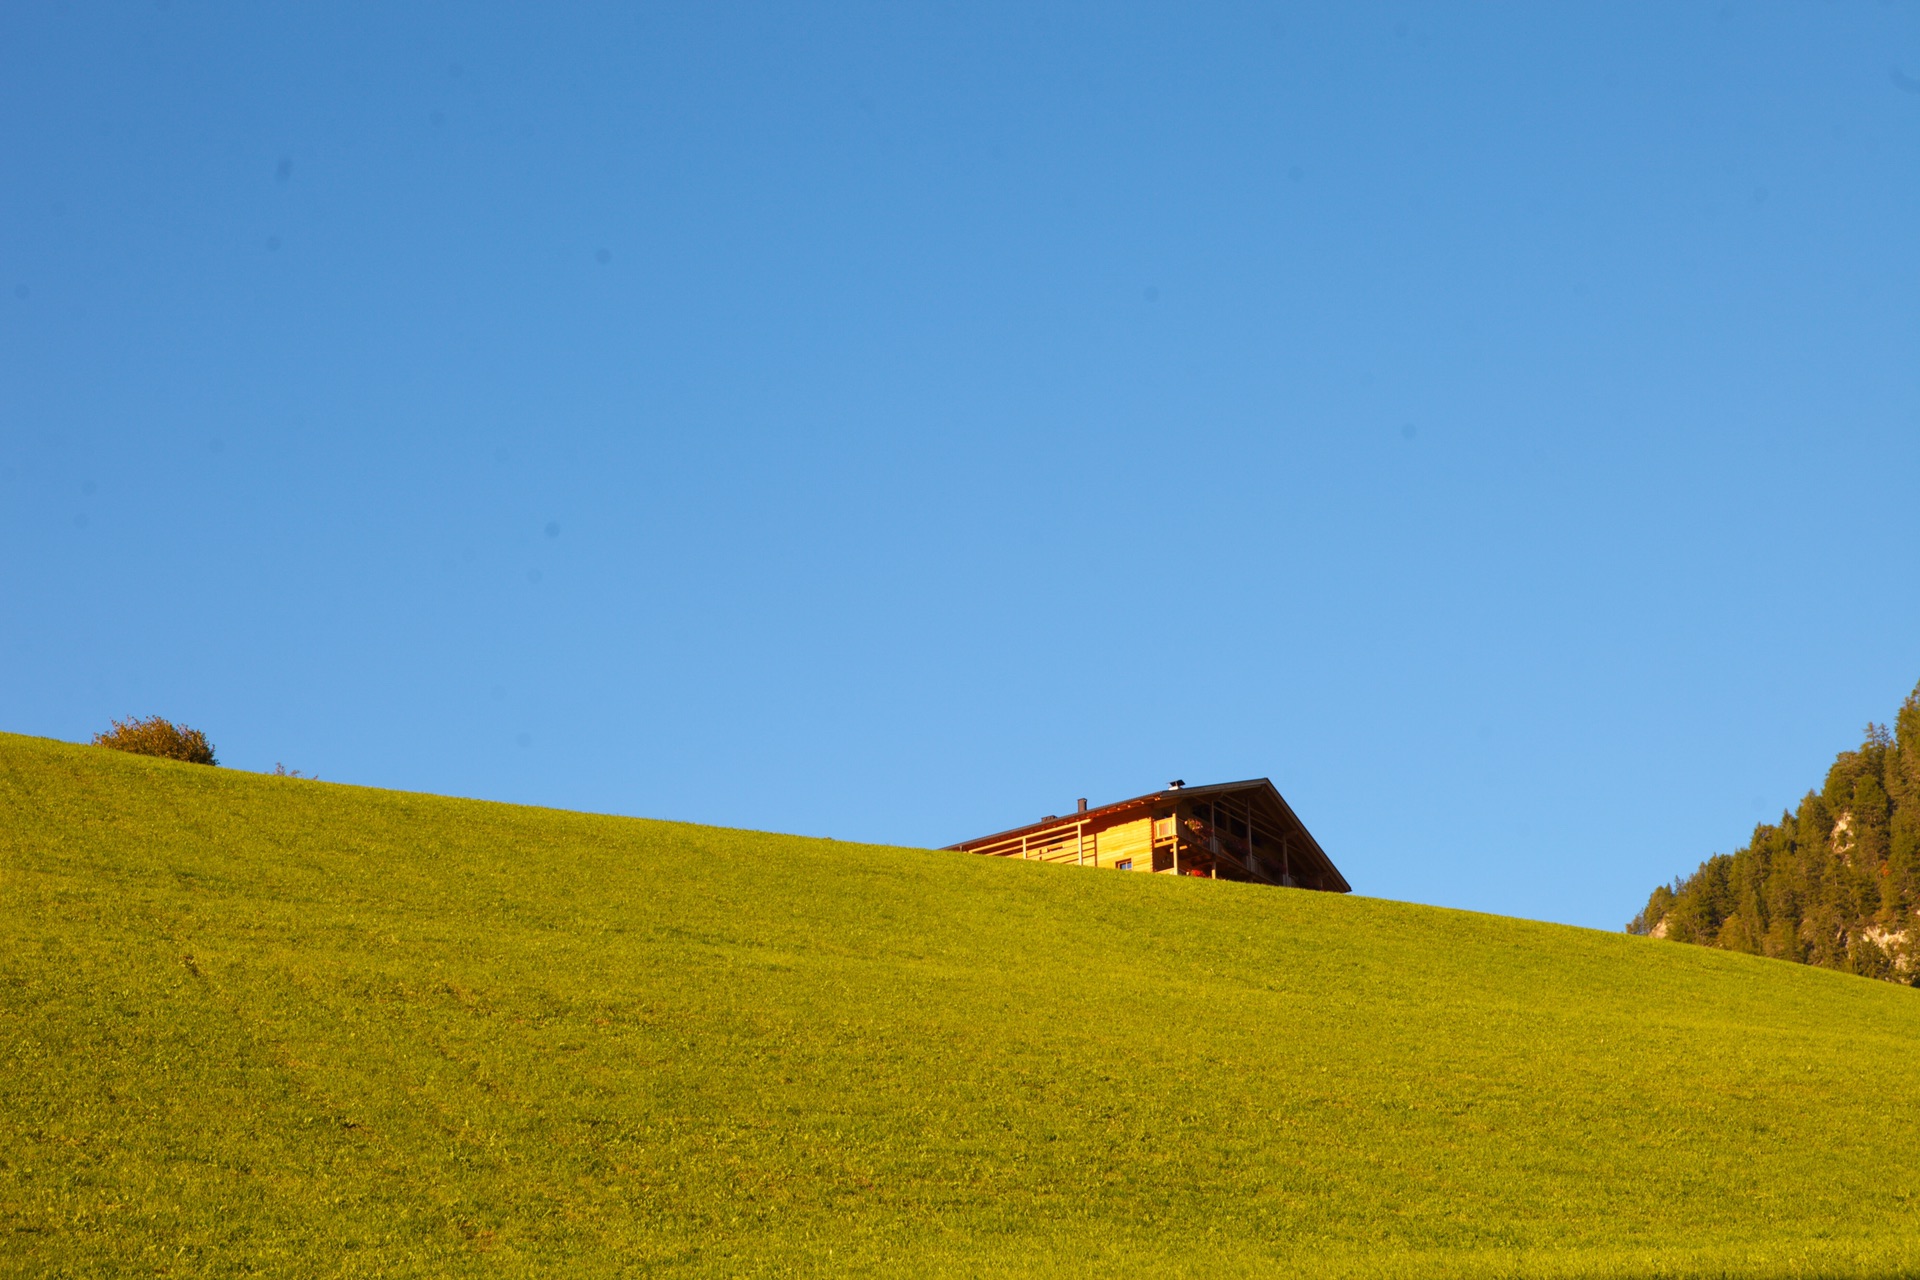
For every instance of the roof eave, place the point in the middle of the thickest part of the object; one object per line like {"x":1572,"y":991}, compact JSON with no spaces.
{"x":1171,"y":795}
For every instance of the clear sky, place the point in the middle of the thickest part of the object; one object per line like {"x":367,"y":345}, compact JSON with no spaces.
{"x":1500,"y":425}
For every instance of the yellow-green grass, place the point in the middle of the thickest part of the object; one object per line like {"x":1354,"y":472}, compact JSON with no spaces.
{"x":263,"y":1025}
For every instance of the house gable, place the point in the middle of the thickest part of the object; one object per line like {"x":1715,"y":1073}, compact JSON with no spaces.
{"x":1229,"y":831}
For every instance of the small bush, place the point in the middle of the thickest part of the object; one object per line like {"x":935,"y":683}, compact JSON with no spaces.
{"x":156,"y":737}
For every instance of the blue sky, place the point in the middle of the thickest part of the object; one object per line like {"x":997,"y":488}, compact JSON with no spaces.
{"x":1498,"y":425}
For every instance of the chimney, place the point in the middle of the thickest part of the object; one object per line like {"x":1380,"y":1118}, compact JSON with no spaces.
{"x":1083,"y":804}
{"x":1176,"y":784}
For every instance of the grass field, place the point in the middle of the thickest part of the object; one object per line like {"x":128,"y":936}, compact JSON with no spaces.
{"x":263,"y":1025}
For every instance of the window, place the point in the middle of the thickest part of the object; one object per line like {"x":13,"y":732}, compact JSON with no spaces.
{"x":1125,"y":864}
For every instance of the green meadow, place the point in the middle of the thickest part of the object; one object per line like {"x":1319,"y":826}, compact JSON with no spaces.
{"x":259,"y":1025}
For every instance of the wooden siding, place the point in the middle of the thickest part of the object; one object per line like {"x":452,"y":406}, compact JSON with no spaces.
{"x":1085,"y":844}
{"x":1126,"y":840}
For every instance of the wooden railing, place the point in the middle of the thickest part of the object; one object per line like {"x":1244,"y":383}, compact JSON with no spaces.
{"x":1173,"y":845}
{"x":1052,"y":844}
{"x":1238,"y":850}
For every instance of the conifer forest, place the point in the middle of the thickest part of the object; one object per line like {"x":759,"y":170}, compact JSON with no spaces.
{"x":1835,"y":882}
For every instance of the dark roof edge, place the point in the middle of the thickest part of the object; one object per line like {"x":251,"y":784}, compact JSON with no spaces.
{"x":1171,"y":795}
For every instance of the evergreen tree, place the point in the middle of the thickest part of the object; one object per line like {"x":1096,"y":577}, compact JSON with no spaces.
{"x":1836,"y":882}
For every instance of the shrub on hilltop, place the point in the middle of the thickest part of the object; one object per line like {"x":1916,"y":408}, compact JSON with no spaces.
{"x":157,"y":737}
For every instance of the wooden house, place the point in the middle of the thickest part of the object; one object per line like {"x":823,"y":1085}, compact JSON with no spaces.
{"x":1229,"y":831}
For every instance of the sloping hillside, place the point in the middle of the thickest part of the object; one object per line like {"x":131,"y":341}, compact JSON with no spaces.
{"x":251,"y":1024}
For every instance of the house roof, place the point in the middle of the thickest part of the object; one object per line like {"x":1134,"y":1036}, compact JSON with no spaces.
{"x":1261,"y":788}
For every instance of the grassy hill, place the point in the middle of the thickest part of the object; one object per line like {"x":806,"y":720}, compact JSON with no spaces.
{"x":253,"y":1024}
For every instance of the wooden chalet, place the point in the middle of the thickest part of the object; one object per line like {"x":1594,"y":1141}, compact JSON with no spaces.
{"x":1229,"y":831}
